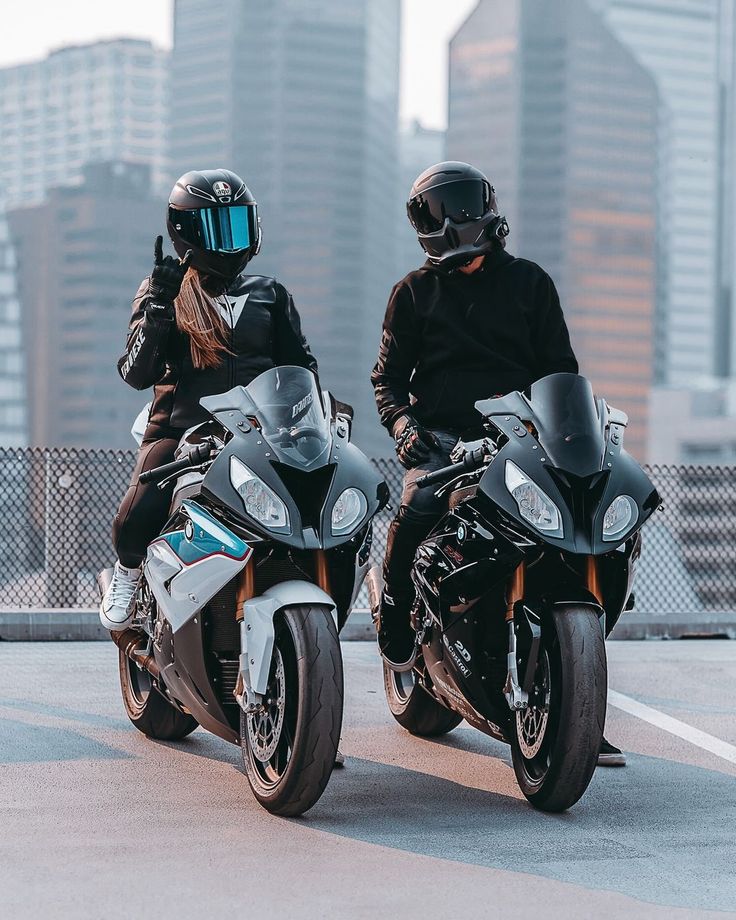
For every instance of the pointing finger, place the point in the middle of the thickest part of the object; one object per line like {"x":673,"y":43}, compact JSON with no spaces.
{"x":158,"y":250}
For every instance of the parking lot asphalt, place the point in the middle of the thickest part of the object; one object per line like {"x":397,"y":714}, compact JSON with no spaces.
{"x":97,"y":821}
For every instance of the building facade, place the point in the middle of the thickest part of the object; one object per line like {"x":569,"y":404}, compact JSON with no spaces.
{"x":83,"y":104}
{"x":564,"y":120}
{"x":13,"y":418}
{"x":308,"y":116}
{"x":81,"y":254}
{"x":419,"y":148}
{"x":679,"y":44}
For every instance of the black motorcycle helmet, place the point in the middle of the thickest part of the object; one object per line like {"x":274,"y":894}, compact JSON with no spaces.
{"x":453,"y":208}
{"x":212,"y":212}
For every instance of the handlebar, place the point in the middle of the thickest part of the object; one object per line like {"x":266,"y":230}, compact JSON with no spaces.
{"x":472,"y":461}
{"x":197,"y":455}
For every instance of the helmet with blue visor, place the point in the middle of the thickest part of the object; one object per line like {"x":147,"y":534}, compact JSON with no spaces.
{"x":213,"y":213}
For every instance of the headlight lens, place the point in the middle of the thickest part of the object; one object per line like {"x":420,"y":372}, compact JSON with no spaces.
{"x":261,"y":502}
{"x":621,"y":514}
{"x":349,"y":508}
{"x":534,"y":505}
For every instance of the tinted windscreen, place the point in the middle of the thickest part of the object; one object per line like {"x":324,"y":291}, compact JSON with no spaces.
{"x":460,"y":201}
{"x":291,"y":416}
{"x":566,"y":417}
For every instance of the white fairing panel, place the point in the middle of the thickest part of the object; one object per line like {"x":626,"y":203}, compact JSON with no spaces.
{"x":185,"y":568}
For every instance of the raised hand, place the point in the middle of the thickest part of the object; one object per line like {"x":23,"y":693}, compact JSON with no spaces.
{"x":167,"y":275}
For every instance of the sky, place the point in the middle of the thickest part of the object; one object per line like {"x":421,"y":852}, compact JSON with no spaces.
{"x":31,"y":28}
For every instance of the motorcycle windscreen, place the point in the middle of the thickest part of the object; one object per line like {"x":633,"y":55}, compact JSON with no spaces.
{"x":567,"y":420}
{"x":292,"y":417}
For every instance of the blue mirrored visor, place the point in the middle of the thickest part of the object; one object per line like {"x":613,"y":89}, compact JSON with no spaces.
{"x":218,"y":229}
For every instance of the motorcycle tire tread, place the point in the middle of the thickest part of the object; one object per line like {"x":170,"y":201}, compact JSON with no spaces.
{"x":421,"y":714}
{"x":583,"y":710}
{"x":156,"y":718}
{"x":319,"y":660}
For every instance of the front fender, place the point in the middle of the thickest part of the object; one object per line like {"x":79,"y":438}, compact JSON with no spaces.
{"x":257,"y":629}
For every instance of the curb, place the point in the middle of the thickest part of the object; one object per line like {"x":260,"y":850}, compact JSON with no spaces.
{"x":79,"y":625}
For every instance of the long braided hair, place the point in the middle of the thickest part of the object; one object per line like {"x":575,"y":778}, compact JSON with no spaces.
{"x":197,"y":315}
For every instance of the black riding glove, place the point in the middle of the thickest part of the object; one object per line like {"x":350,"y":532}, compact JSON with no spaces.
{"x":167,"y":276}
{"x":413,"y":442}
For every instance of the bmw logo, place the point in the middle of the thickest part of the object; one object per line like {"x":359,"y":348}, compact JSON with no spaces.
{"x":189,"y":530}
{"x":461,"y":533}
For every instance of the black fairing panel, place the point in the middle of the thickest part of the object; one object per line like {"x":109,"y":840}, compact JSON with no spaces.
{"x":185,"y":674}
{"x":348,"y":467}
{"x":581,"y":500}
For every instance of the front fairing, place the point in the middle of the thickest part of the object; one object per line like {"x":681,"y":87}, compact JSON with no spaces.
{"x":311,"y":492}
{"x":582,"y":482}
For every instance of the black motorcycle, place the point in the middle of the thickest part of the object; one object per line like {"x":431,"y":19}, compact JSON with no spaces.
{"x":246,"y":588}
{"x":521,"y":581}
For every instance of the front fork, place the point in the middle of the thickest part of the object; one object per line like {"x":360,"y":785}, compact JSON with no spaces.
{"x":517,"y":696}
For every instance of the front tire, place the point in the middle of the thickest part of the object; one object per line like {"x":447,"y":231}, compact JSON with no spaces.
{"x":555,"y":744}
{"x":413,"y":708}
{"x":147,"y":708}
{"x":289,"y":747}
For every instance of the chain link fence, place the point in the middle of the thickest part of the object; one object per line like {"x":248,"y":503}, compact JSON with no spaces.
{"x":57,"y":505}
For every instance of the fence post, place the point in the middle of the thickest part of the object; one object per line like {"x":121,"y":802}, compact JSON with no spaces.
{"x":62,"y":530}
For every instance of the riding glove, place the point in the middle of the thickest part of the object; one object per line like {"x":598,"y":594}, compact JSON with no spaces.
{"x":413,"y":442}
{"x":167,"y":275}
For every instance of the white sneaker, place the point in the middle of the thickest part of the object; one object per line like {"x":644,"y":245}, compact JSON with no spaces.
{"x":118,"y":605}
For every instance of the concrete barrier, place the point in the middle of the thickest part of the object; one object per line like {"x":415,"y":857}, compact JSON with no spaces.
{"x":83,"y":625}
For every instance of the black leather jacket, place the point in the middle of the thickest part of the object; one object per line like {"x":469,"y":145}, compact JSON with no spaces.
{"x":450,"y":339}
{"x":265,"y":332}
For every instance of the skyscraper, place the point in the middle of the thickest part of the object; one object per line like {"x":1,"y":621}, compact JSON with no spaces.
{"x":678,"y":43}
{"x":563,"y":119}
{"x":419,"y":147}
{"x":13,"y":420}
{"x":301,"y":99}
{"x":79,"y":105}
{"x":82,"y":253}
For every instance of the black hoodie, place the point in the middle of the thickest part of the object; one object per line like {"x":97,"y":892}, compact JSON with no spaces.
{"x":451,"y":338}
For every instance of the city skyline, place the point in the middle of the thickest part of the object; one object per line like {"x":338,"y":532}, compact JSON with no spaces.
{"x":426,"y":29}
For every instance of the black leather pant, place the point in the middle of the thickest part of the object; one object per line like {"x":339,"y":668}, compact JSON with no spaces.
{"x":144,"y":508}
{"x":419,"y":511}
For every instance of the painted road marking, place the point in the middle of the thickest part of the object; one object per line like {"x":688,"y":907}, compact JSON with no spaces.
{"x":674,"y":726}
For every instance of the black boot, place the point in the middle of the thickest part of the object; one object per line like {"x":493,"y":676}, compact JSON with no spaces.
{"x":396,"y":638}
{"x":610,"y":756}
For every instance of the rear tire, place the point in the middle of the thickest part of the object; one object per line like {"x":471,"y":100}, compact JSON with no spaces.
{"x":413,"y":708}
{"x":147,"y":708}
{"x":555,"y":752}
{"x":289,"y":750}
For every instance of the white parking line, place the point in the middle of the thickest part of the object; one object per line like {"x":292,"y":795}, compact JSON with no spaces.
{"x":674,"y":726}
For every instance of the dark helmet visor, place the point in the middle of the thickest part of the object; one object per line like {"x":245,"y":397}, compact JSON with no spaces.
{"x":217,"y":229}
{"x":461,"y":201}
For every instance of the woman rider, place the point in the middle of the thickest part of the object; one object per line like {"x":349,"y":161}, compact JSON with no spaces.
{"x":198,"y":327}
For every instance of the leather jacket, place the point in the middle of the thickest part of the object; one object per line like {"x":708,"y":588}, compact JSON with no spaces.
{"x":265,"y":332}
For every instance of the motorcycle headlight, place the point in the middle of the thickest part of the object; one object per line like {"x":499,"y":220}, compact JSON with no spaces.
{"x":261,"y":502}
{"x":620,"y":515}
{"x":534,"y":505}
{"x":349,"y":508}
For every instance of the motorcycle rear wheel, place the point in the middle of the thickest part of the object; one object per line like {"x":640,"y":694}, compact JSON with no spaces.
{"x":147,"y":708}
{"x":413,"y":708}
{"x":289,"y":747}
{"x":555,"y":747}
